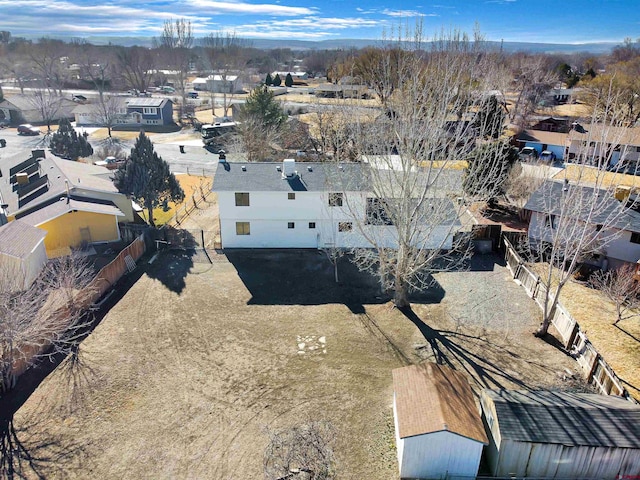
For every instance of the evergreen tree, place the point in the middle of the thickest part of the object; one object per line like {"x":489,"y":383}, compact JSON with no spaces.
{"x":277,"y":81}
{"x":262,"y":107}
{"x":66,"y":142}
{"x":288,"y":81}
{"x":268,"y":81}
{"x":146,"y":177}
{"x":488,"y":170}
{"x":490,"y":119}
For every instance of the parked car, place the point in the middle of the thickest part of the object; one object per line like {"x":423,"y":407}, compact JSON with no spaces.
{"x":110,"y":162}
{"x":528,"y":154}
{"x":28,"y":129}
{"x":167,"y":89}
{"x":192,"y":94}
{"x":547,"y":156}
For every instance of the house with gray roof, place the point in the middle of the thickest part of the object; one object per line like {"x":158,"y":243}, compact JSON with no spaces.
{"x":316,"y":205}
{"x":580,"y":204}
{"x":16,"y":109}
{"x":150,"y":111}
{"x":561,"y":435}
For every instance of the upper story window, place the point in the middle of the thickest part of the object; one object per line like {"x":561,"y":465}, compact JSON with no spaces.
{"x":291,"y":196}
{"x":242,"y":199}
{"x":149,"y":110}
{"x":550,"y":221}
{"x":335,"y":199}
{"x":635,"y":238}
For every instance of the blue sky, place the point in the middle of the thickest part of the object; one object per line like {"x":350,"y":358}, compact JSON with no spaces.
{"x":549,"y":21}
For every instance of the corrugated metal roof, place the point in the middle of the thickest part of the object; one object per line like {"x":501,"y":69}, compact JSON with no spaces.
{"x":573,"y":419}
{"x":433,"y":398}
{"x":61,"y":207}
{"x":18,"y":238}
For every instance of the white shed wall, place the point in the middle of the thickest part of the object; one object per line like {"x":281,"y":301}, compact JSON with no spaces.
{"x":436,"y":455}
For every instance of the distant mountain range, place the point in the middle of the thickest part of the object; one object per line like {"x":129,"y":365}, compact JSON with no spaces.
{"x":342,"y":43}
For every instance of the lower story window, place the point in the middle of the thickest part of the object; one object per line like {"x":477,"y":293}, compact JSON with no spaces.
{"x":243,"y":228}
{"x":291,"y":225}
{"x":312,"y":224}
{"x":345,"y":226}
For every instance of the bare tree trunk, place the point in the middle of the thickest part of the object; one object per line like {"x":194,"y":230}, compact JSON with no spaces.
{"x":401,"y":295}
{"x":150,"y":212}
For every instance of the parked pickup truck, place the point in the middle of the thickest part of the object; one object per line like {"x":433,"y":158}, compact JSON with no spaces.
{"x":110,"y":162}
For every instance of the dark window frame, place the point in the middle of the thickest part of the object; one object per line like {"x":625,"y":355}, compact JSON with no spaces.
{"x":336,"y":199}
{"x":243,"y":228}
{"x":312,"y":225}
{"x":242,"y":199}
{"x":291,"y":225}
{"x":345,"y":227}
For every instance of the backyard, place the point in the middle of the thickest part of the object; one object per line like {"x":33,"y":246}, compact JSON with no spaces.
{"x":188,"y":370}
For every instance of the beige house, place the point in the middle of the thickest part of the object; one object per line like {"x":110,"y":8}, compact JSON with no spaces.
{"x":22,"y":254}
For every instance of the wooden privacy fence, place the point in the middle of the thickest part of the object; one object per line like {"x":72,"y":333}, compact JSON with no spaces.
{"x":199,"y":195}
{"x":101,"y":283}
{"x":595,"y":368}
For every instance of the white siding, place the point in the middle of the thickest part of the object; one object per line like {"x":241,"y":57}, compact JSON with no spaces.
{"x":438,"y":455}
{"x":269,"y":214}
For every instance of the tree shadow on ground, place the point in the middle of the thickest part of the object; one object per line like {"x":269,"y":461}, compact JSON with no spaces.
{"x":306,"y":277}
{"x":452,"y":348}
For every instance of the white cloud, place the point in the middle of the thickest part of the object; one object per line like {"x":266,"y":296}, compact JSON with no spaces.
{"x":216,"y":8}
{"x":407,"y":13}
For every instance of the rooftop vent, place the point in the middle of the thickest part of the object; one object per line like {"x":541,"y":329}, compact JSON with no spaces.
{"x":289,"y":167}
{"x":244,"y":168}
{"x":22,"y":178}
{"x":309,"y":169}
{"x":278,"y":168}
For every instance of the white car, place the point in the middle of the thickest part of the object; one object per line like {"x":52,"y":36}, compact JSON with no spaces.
{"x":110,"y":162}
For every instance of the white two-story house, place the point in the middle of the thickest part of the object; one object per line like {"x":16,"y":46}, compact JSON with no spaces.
{"x":565,"y":206}
{"x":313,"y":205}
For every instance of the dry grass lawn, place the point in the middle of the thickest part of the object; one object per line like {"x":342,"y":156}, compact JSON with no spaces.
{"x":618,"y":344}
{"x":191,"y":185}
{"x":190,"y":367}
{"x":591,"y":175}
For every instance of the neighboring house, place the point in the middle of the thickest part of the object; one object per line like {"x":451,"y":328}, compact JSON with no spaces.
{"x":90,"y":113}
{"x":439,"y":431}
{"x":558,"y":96}
{"x":595,"y":143}
{"x":72,"y":201}
{"x":310,"y":205}
{"x":24,"y":108}
{"x":294,"y":75}
{"x":22,"y":253}
{"x":560,"y":435}
{"x":545,"y":206}
{"x":219,"y":84}
{"x":150,"y":111}
{"x":540,"y":140}
{"x":330,"y":90}
{"x":553,"y":124}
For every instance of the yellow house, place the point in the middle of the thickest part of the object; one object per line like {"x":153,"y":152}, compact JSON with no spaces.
{"x":72,"y":223}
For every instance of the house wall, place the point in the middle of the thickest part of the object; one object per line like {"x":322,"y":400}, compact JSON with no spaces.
{"x":558,"y":150}
{"x":120,"y":200}
{"x":33,"y":264}
{"x":270,"y":212}
{"x":618,"y":248}
{"x":64,"y":231}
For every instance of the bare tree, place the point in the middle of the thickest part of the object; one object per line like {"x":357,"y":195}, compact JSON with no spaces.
{"x":622,"y":288}
{"x":579,"y":218}
{"x":108,"y":110}
{"x":520,"y":186}
{"x":176,"y":42}
{"x":532,"y":81}
{"x":415,"y":203}
{"x":305,"y":448}
{"x":47,"y":103}
{"x":135,"y":65}
{"x":226,"y":56}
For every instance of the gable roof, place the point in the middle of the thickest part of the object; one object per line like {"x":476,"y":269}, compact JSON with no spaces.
{"x":433,"y":398}
{"x":607,"y":134}
{"x":550,"y":197}
{"x":30,"y":102}
{"x":18,"y":239}
{"x":264,"y":177}
{"x":562,"y":418}
{"x":62,"y":206}
{"x":542,"y":136}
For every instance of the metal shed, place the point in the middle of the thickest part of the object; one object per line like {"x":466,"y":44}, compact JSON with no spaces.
{"x":439,"y":433}
{"x":547,"y":434}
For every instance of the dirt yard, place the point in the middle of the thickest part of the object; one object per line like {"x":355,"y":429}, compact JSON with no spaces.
{"x":187,"y":371}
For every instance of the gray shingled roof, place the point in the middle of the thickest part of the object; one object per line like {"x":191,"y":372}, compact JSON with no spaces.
{"x":609,"y":211}
{"x":18,"y":238}
{"x":315,"y":177}
{"x":61,"y":207}
{"x":580,"y":419}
